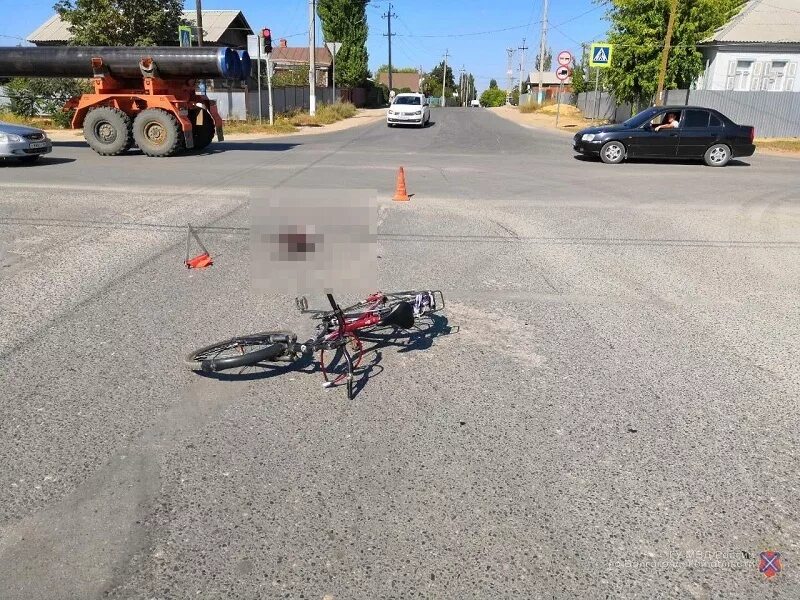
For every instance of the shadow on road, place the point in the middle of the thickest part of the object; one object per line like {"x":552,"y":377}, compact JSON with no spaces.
{"x":44,"y":161}
{"x":420,"y":337}
{"x":217,"y":147}
{"x":654,"y":161}
{"x":213,"y":148}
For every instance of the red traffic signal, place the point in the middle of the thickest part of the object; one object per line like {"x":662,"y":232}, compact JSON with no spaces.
{"x":267,"y":35}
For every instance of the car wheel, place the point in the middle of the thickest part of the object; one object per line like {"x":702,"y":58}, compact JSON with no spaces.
{"x":717,"y":155}
{"x":612,"y":153}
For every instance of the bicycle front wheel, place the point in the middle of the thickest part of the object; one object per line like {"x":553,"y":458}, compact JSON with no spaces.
{"x":239,"y":352}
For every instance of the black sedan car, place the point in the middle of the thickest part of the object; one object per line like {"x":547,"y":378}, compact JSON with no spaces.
{"x":669,"y":132}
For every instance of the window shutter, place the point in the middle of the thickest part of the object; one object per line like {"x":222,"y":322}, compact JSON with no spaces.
{"x":730,"y":81}
{"x":791,"y":69}
{"x":758,"y":69}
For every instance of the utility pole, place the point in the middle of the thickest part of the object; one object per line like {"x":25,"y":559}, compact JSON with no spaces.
{"x":199,"y":8}
{"x":510,"y":73}
{"x":444,"y":77}
{"x":542,"y":44}
{"x":312,"y":58}
{"x":662,"y":72}
{"x":522,"y":64}
{"x":461,"y":86}
{"x":388,"y":16}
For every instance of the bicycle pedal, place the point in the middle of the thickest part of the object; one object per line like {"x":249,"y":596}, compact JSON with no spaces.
{"x":327,"y":385}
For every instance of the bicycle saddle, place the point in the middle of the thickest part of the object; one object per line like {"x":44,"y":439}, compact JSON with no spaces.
{"x":401,"y":315}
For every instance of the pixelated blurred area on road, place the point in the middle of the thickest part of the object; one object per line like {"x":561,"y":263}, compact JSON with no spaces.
{"x":310,"y":242}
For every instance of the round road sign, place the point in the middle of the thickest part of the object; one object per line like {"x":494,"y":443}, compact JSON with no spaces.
{"x":564,"y":58}
{"x":563,"y":73}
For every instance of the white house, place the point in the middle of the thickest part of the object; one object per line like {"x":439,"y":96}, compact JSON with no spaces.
{"x":759,"y":49}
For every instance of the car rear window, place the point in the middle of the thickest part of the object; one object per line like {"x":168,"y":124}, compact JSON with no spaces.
{"x":715,"y":121}
{"x":407,"y":100}
{"x":695,"y":118}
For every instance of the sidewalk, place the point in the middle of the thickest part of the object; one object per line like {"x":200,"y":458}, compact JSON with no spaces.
{"x":569,"y":121}
{"x":364,"y":116}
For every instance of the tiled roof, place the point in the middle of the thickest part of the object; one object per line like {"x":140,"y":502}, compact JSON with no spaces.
{"x":300,"y":55}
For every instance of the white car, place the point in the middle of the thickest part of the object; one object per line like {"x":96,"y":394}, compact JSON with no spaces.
{"x":409,"y":109}
{"x":475,"y":104}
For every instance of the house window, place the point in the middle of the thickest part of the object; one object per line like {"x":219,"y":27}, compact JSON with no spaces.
{"x":744,"y":69}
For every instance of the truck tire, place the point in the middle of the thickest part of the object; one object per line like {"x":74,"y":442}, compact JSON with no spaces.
{"x":157,"y":132}
{"x":107,"y":131}
{"x":203,"y":134}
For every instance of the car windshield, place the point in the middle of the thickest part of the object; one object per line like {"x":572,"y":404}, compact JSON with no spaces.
{"x":407,"y":100}
{"x":641,"y":118}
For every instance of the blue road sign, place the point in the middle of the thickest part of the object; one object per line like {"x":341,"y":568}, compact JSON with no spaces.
{"x":600,"y":55}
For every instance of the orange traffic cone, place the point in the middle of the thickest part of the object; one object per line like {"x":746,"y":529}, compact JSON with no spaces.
{"x":202,"y":260}
{"x":400,"y":192}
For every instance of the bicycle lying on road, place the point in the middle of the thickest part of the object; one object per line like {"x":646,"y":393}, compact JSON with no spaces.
{"x":340,"y":349}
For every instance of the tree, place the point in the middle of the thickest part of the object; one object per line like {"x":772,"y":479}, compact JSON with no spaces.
{"x":579,"y":78}
{"x":493,"y":84}
{"x":345,"y":21}
{"x":432,"y":86}
{"x":122,"y":22}
{"x":297,"y":75}
{"x":548,"y":60}
{"x":638,"y":31}
{"x":31,"y":97}
{"x":493,"y":97}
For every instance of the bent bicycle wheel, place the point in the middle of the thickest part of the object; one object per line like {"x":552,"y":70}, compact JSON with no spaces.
{"x":333,"y":363}
{"x":240,"y":351}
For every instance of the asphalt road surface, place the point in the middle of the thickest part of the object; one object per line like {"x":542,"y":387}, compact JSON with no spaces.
{"x":607,"y":408}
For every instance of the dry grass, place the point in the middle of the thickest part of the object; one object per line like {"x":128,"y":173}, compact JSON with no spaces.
{"x":40,"y":122}
{"x":326,"y":114}
{"x":282,"y":125}
{"x":781,"y":145}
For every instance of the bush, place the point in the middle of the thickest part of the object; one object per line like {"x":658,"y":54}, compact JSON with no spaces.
{"x":493,"y":97}
{"x":34,"y":97}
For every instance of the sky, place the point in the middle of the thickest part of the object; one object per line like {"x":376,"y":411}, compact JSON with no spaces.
{"x":475,"y":33}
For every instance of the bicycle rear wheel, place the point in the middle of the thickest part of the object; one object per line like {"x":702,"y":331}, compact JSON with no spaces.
{"x":239,"y":352}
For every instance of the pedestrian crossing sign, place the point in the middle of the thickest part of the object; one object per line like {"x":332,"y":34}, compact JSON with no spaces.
{"x":600,"y":55}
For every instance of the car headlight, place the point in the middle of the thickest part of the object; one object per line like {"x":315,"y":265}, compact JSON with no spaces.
{"x":9,"y":137}
{"x":418,"y":112}
{"x":587,"y":137}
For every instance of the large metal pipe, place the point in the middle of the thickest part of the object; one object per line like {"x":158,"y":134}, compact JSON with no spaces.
{"x":121,"y":61}
{"x":244,"y":58}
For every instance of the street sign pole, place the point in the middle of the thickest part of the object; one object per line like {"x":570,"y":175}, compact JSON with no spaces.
{"x":333,"y":48}
{"x":558,"y":105}
{"x":562,"y":73}
{"x":599,"y":58}
{"x":596,"y":95}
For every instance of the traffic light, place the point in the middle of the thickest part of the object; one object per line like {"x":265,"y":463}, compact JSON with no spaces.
{"x":267,"y":35}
